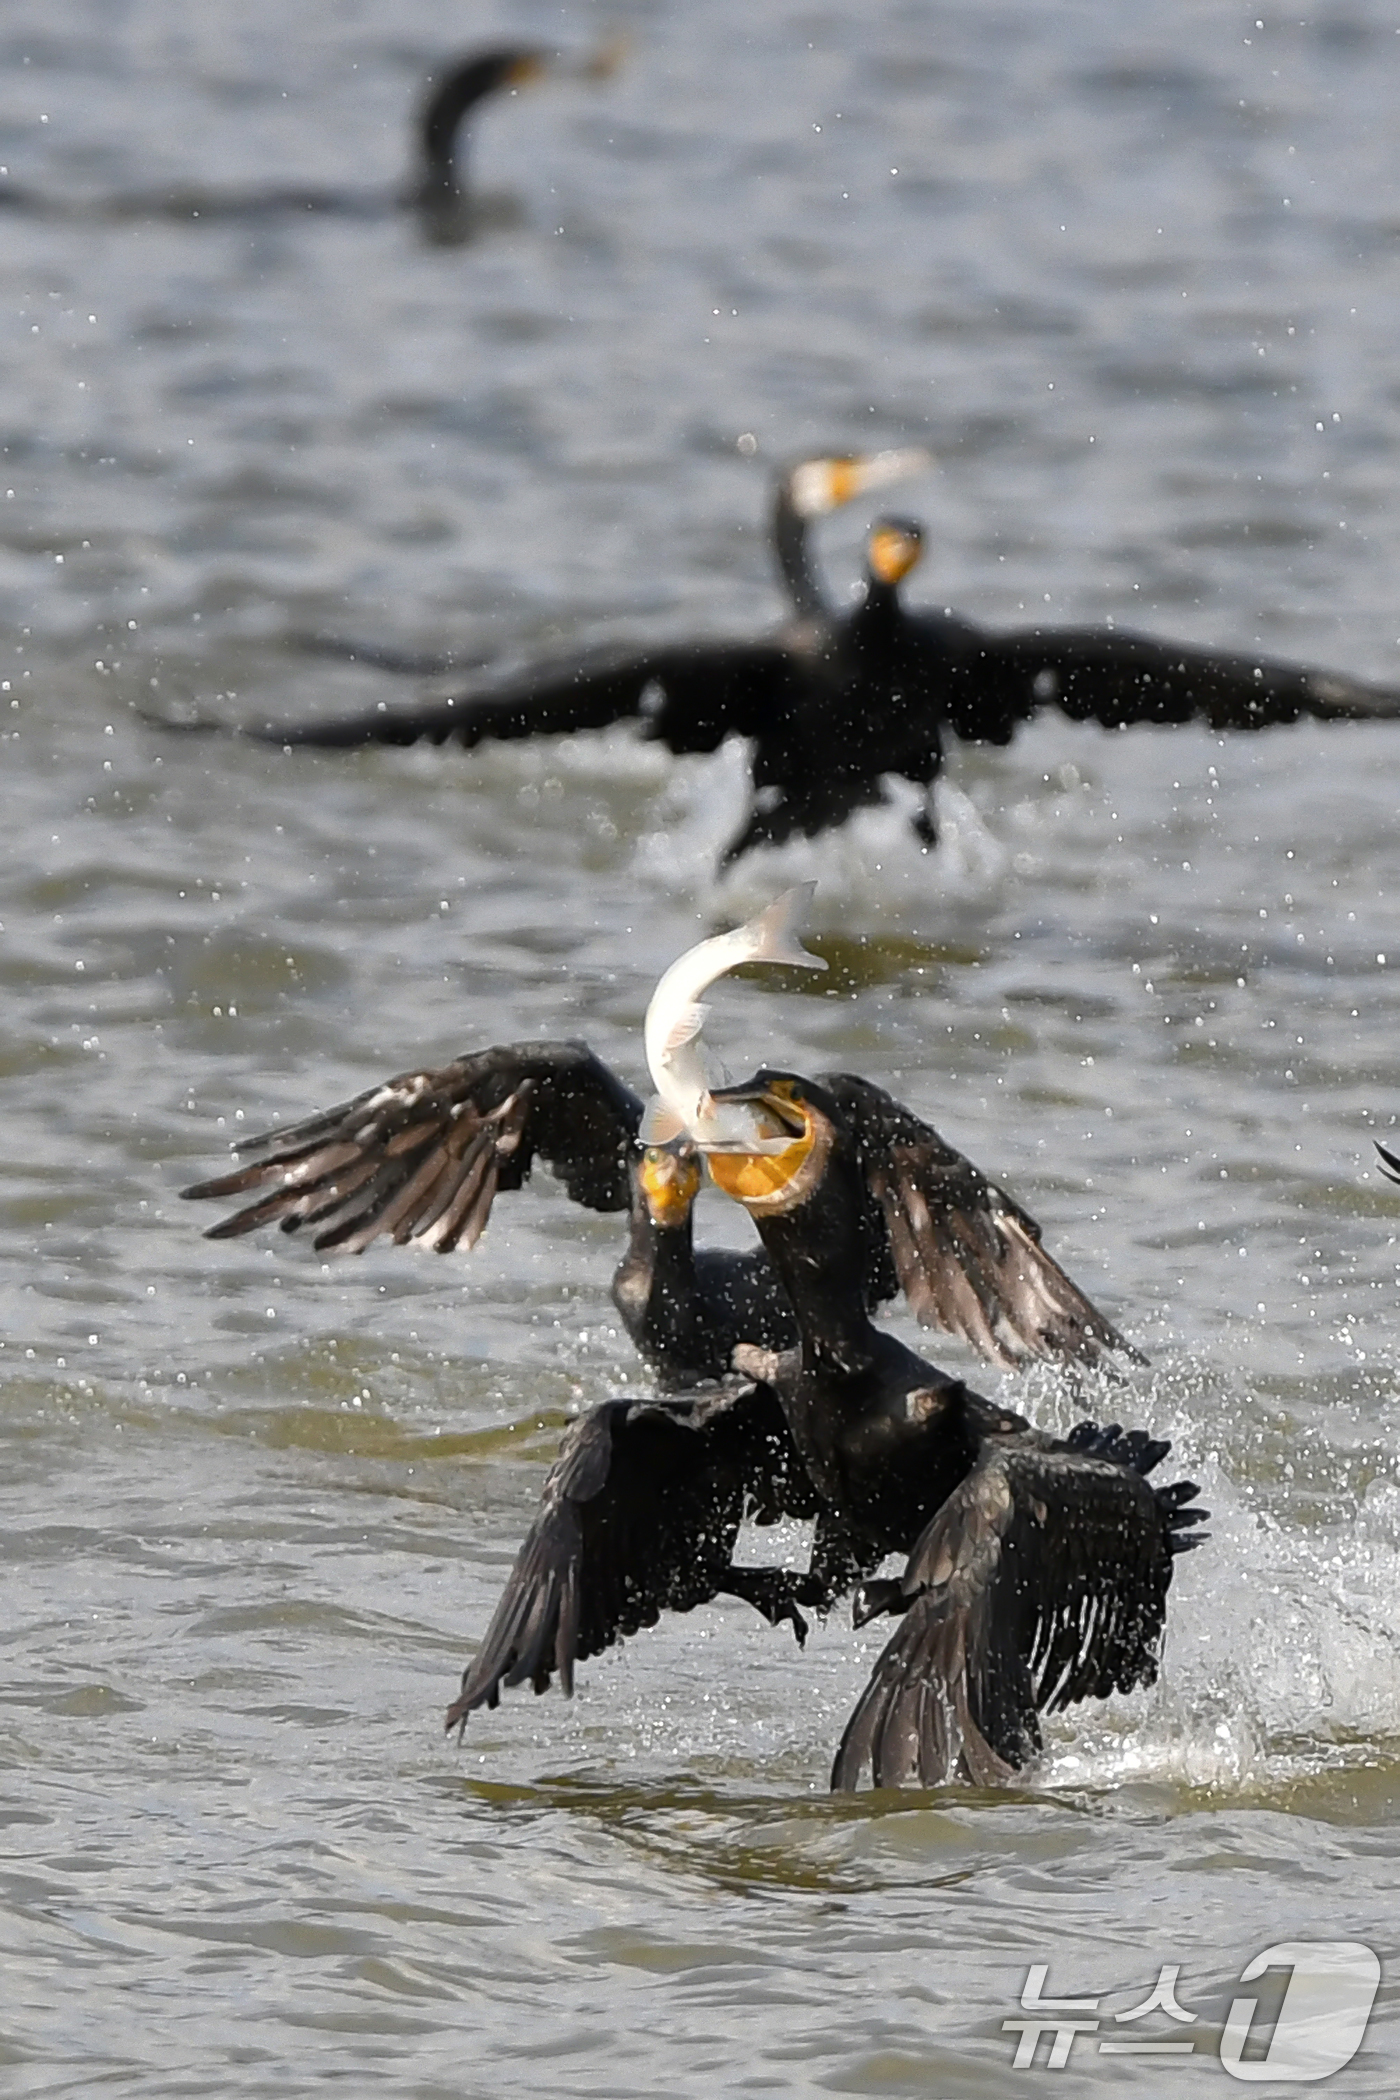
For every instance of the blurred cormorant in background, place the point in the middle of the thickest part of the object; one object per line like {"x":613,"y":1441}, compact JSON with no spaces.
{"x":836,"y":701}
{"x":437,"y":188}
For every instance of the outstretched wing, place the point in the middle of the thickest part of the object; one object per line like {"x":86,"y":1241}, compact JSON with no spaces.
{"x":1390,"y":1161}
{"x":638,"y":1516}
{"x":1102,"y":675}
{"x":422,"y":1157}
{"x":1042,"y":1580}
{"x":967,"y":1256}
{"x":689,"y":696}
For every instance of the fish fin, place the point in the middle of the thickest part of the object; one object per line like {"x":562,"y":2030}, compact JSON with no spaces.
{"x":771,"y":935}
{"x":659,"y":1123}
{"x":684,"y":1029}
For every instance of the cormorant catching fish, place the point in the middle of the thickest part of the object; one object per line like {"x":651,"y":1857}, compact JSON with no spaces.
{"x":834,"y":704}
{"x":437,"y":189}
{"x":1038,"y":1566}
{"x":422,"y":1157}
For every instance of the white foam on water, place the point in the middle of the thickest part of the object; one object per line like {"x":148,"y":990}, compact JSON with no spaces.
{"x":1282,"y":1656}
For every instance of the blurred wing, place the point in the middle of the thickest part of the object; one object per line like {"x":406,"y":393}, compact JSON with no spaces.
{"x":638,"y":1516}
{"x":421,"y":1157}
{"x":1042,"y":1580}
{"x":1390,"y":1161}
{"x":386,"y":656}
{"x":1096,"y":674}
{"x":967,"y":1256}
{"x":690,"y":697}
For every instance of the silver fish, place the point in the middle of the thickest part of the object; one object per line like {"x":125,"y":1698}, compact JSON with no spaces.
{"x":683,"y":1105}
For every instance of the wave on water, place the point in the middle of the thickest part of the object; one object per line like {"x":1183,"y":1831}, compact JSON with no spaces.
{"x":1282,"y":1656}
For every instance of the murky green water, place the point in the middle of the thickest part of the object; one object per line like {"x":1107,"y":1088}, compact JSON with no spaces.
{"x":256,"y":1508}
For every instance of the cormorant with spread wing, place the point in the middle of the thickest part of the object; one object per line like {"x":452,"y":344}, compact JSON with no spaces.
{"x":1038,"y":1566}
{"x":437,"y":189}
{"x":836,"y":702}
{"x":422,"y":1157}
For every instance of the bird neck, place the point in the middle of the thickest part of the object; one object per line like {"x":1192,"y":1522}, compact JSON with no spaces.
{"x":657,"y":1292}
{"x":817,"y":1248}
{"x":668,"y":1250}
{"x":443,"y":132}
{"x":442,"y":175}
{"x":793,"y":554}
{"x":881,"y":614}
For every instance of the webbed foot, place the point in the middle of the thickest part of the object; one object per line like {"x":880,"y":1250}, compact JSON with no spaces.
{"x":774,"y":1593}
{"x":883,"y":1594}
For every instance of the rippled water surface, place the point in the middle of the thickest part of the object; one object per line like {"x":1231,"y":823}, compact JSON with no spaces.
{"x":1133,"y":272}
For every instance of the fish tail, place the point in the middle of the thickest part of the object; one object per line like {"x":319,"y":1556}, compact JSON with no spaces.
{"x":771,"y":935}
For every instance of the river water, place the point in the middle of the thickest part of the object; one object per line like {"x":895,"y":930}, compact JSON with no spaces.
{"x":1133,"y":273}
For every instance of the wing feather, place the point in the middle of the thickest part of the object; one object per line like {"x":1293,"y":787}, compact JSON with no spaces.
{"x":967,"y":1255}
{"x":1120,"y":679}
{"x":638,"y":1515}
{"x":708,"y":690}
{"x":422,"y":1157}
{"x":1041,"y":1581}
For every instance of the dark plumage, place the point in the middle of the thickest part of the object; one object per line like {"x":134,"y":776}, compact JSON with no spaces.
{"x":1390,"y":1162}
{"x":439,"y":193}
{"x":835,"y":702}
{"x":1040,"y":1580}
{"x":639,"y":1515}
{"x":1038,"y":1566}
{"x":422,"y":1157}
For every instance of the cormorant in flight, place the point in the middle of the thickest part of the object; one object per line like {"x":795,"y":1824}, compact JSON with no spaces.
{"x":1038,"y":1566}
{"x":437,"y":189}
{"x":835,"y":702}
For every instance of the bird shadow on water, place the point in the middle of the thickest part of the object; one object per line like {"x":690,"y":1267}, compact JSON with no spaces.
{"x":832,"y":1846}
{"x":841,"y":1846}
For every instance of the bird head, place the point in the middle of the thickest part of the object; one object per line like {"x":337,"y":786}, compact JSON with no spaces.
{"x":785,"y":1106}
{"x":669,"y":1178}
{"x":895,"y":546}
{"x":816,"y":487}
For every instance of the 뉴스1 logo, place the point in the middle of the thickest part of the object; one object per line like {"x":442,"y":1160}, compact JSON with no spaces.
{"x":1320,"y":2025}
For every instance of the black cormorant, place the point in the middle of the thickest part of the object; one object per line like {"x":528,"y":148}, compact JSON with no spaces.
{"x":422,"y":1157}
{"x":834,"y":703}
{"x":1038,"y":1566}
{"x":437,"y":190}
